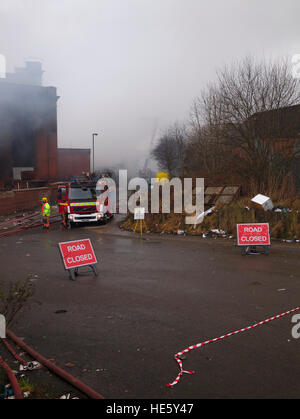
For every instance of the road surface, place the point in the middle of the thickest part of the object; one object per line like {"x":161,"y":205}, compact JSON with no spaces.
{"x":155,"y":296}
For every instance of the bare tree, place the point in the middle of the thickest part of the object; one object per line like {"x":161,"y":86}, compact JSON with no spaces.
{"x":170,"y":150}
{"x":179,"y":135}
{"x":207,"y":150}
{"x":241,"y":117}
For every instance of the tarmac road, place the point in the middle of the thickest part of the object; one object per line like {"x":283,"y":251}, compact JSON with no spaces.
{"x":154,"y":297}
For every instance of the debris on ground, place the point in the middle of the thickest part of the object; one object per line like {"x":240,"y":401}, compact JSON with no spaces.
{"x":264,"y":201}
{"x":214,"y":233}
{"x":68,"y":396}
{"x":69,"y":365}
{"x":6,"y":392}
{"x":281,"y":209}
{"x":33,"y":365}
{"x":284,"y":220}
{"x":201,"y":216}
{"x":16,"y":223}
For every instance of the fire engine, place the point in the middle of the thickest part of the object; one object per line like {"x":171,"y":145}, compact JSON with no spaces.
{"x":78,"y":203}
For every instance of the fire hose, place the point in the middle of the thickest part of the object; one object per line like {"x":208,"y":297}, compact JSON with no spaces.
{"x":25,"y":227}
{"x":13,"y":381}
{"x":54,"y":368}
{"x":16,"y":220}
{"x":13,"y":352}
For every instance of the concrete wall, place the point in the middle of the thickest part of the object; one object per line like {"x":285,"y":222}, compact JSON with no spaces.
{"x":25,"y":199}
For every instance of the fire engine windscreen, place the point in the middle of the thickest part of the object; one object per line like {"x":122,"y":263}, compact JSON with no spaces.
{"x":79,"y":194}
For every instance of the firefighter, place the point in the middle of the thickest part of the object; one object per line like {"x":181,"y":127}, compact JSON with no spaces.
{"x":64,"y":219}
{"x":46,"y":210}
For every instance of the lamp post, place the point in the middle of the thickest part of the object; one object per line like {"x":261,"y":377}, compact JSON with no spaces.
{"x":94,"y":135}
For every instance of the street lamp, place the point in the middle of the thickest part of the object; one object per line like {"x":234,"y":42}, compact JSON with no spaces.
{"x":94,"y":135}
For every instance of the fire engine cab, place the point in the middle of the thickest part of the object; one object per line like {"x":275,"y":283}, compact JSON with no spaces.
{"x":78,"y":203}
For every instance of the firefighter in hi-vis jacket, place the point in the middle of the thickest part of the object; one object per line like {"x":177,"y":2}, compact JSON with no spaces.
{"x":46,"y":211}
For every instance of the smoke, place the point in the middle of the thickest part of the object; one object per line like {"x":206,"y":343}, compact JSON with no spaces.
{"x":27,"y":111}
{"x":120,"y":64}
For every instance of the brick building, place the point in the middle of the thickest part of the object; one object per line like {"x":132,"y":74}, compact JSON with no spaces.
{"x":73,"y":162}
{"x":281,"y":127}
{"x":28,"y":127}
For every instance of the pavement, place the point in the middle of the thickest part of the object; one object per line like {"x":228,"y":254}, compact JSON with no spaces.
{"x":155,"y":296}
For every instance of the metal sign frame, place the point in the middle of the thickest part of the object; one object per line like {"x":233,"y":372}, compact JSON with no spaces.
{"x":73,"y":272}
{"x":247,"y":249}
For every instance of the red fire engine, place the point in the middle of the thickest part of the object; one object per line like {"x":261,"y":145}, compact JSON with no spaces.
{"x":78,"y":203}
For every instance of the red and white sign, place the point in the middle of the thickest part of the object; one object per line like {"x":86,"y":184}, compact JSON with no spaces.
{"x":77,"y":253}
{"x":253,"y":234}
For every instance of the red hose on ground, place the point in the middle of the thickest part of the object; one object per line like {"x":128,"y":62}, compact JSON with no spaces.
{"x":54,"y":368}
{"x":13,"y":352}
{"x":36,"y":224}
{"x":16,"y":220}
{"x":13,"y":381}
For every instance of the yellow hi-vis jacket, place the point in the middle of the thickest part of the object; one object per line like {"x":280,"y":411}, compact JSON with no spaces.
{"x":46,"y":210}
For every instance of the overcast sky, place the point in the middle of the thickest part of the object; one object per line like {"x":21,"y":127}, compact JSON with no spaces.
{"x":124,"y":67}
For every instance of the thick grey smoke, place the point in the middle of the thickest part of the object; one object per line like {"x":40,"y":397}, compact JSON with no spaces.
{"x":126,"y":67}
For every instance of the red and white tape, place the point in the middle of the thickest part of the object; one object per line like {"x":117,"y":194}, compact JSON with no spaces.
{"x":199,"y":345}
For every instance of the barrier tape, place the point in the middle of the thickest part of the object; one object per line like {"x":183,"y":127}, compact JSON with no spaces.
{"x":199,"y":345}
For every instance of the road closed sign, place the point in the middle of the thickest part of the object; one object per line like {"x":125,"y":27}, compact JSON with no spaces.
{"x":253,"y":234}
{"x":77,"y":253}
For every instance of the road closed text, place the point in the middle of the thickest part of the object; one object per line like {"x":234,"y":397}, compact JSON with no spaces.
{"x":81,"y":258}
{"x":253,"y":234}
{"x":77,"y":253}
{"x":76,"y":248}
{"x":258,"y":231}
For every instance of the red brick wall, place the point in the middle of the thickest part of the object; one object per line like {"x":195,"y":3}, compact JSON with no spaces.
{"x":53,"y":155}
{"x":25,"y":199}
{"x":72,"y":162}
{"x":46,"y":155}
